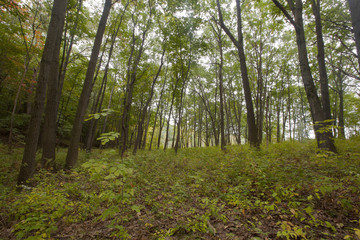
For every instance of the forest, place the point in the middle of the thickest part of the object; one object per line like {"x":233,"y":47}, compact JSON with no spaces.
{"x":168,"y":119}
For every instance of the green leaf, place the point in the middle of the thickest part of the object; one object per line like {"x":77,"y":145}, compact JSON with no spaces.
{"x":97,"y":115}
{"x":136,"y":208}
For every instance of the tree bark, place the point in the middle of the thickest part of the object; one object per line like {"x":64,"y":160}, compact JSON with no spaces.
{"x":354,"y":6}
{"x":101,"y":93}
{"x":323,"y":136}
{"x":49,"y":68}
{"x":184,"y":77}
{"x":132,"y":76}
{"x":169,"y":115}
{"x":145,"y":108}
{"x":52,"y":104}
{"x":239,"y":43}
{"x":219,"y":39}
{"x":157,"y":112}
{"x":72,"y":154}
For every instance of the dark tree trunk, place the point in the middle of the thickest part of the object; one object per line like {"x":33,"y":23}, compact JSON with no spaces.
{"x":354,"y":6}
{"x":174,"y":131}
{"x":143,"y":145}
{"x":325,"y":98}
{"x":184,"y":76}
{"x":72,"y":154}
{"x":324,"y":138}
{"x":167,"y":124}
{"x":252,"y":127}
{"x":108,"y":107}
{"x":49,"y":68}
{"x":200,"y":125}
{"x":100,"y":96}
{"x":221,"y":87}
{"x":132,"y":76}
{"x":162,"y":123}
{"x":219,"y":38}
{"x":64,"y":103}
{"x":145,"y":108}
{"x":194,"y":126}
{"x":168,"y":118}
{"x":156,"y":115}
{"x":211,"y":114}
{"x":340,"y":86}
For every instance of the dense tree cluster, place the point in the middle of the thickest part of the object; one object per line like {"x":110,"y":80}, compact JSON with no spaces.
{"x":173,"y":74}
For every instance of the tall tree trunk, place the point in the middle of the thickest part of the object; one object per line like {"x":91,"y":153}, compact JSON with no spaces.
{"x":72,"y":153}
{"x":101,"y":93}
{"x":194,"y":126}
{"x":162,"y":123}
{"x":239,"y":43}
{"x":185,"y":77}
{"x":324,"y":137}
{"x":156,"y":114}
{"x":354,"y":6}
{"x":325,"y":98}
{"x":52,"y":104}
{"x":132,"y":76}
{"x":200,"y":125}
{"x":143,"y":145}
{"x":48,"y":73}
{"x":212,"y":115}
{"x":341,"y":103}
{"x":108,"y":107}
{"x":146,"y":107}
{"x":219,"y":38}
{"x":221,"y":87}
{"x":65,"y":103}
{"x":169,"y":115}
{"x":174,"y":131}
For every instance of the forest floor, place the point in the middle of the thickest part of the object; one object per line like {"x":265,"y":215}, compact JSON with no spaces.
{"x":283,"y":191}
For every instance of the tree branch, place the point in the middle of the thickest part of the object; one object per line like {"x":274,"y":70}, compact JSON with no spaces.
{"x":286,"y":13}
{"x":222,"y":25}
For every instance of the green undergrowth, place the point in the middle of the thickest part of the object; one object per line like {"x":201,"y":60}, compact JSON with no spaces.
{"x":282,"y":191}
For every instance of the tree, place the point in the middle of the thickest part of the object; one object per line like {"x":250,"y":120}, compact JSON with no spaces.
{"x":219,"y":39}
{"x":49,"y":68}
{"x":354,"y":6}
{"x":52,"y":103}
{"x":252,"y":127}
{"x":100,"y":96}
{"x":144,"y":110}
{"x":133,"y":65}
{"x":323,"y":135}
{"x":324,"y":85}
{"x":28,"y":56}
{"x":72,"y":154}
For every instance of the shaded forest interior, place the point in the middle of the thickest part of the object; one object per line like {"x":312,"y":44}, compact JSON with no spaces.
{"x":80,"y":78}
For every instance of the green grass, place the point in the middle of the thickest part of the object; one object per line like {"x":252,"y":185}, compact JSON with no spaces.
{"x":284,"y":191}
